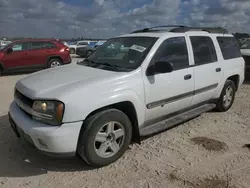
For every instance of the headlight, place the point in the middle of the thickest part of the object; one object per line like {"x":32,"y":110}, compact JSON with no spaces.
{"x":49,"y":112}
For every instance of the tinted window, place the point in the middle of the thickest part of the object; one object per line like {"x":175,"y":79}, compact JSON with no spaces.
{"x":49,"y":44}
{"x":20,"y":46}
{"x":173,"y":50}
{"x":82,"y":43}
{"x":229,"y":47}
{"x":204,"y":51}
{"x":41,"y":45}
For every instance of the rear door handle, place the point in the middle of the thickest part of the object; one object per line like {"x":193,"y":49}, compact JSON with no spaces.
{"x":218,"y":69}
{"x":187,"y":77}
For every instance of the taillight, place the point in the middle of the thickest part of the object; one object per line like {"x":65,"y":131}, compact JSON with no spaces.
{"x":64,"y":49}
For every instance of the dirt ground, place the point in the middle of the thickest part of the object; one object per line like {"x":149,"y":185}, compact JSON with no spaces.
{"x":206,"y":152}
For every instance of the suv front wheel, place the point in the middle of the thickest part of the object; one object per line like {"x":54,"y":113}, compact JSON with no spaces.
{"x":104,"y":137}
{"x":227,"y":96}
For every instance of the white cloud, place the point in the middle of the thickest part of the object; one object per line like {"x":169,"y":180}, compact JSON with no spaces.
{"x":99,"y":2}
{"x":106,"y":18}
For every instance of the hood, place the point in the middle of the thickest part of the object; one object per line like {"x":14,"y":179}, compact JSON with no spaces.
{"x":51,"y":83}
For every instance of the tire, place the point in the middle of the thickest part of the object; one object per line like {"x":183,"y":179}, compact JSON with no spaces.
{"x":1,"y":71}
{"x":54,"y":63}
{"x":226,"y":101}
{"x":88,"y":53}
{"x":72,"y":51}
{"x":100,"y":152}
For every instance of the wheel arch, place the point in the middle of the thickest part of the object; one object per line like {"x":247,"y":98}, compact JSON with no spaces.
{"x":129,"y":109}
{"x":54,"y":57}
{"x":236,"y":79}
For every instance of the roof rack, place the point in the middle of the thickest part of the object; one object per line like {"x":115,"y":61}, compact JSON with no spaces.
{"x":183,"y":29}
{"x":207,"y":29}
{"x":158,"y":28}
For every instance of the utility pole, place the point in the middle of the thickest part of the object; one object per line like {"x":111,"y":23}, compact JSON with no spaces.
{"x":74,"y":28}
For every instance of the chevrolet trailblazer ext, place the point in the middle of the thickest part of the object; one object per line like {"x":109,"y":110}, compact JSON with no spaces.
{"x":133,"y":85}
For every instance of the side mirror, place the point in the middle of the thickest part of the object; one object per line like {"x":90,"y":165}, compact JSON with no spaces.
{"x":160,"y":67}
{"x":9,"y":50}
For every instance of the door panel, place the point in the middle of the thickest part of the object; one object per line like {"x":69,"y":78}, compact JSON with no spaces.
{"x":207,"y":82}
{"x":18,"y":57}
{"x":169,"y":92}
{"x":207,"y":70}
{"x":40,"y":50}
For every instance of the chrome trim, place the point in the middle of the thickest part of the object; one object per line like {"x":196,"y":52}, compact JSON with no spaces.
{"x":181,"y":96}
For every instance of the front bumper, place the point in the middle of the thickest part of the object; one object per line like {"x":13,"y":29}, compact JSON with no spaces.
{"x":51,"y":140}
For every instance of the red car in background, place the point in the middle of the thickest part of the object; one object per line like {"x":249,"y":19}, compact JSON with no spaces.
{"x":33,"y":54}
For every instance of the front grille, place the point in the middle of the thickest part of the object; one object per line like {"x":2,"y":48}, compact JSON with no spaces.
{"x":25,"y":100}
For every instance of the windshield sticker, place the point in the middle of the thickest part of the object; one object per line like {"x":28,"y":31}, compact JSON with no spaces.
{"x":131,"y":62}
{"x":138,"y":48}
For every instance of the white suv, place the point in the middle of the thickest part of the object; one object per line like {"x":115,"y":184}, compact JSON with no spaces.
{"x":133,"y":85}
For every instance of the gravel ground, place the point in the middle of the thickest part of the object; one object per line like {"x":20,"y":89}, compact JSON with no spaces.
{"x":204,"y":152}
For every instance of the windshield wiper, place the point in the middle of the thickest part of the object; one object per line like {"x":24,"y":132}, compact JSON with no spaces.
{"x":115,"y":67}
{"x":87,"y":60}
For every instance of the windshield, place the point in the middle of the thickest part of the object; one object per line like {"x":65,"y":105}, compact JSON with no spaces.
{"x":124,"y":53}
{"x":246,"y":45}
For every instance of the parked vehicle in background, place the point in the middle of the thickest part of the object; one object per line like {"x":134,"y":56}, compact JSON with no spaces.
{"x":33,"y":54}
{"x":72,"y":46}
{"x":245,"y":51}
{"x":86,"y":51}
{"x":99,"y":43}
{"x":65,"y":43}
{"x":4,"y":43}
{"x":133,"y":85}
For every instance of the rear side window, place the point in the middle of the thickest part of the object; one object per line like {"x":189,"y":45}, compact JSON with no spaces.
{"x":42,"y":45}
{"x":204,"y":50}
{"x":175,"y":51}
{"x":48,"y":45}
{"x":229,"y":47}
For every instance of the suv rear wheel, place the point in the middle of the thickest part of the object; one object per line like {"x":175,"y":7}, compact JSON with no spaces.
{"x":227,"y":96}
{"x":54,"y":63}
{"x":1,"y":71}
{"x":105,"y":137}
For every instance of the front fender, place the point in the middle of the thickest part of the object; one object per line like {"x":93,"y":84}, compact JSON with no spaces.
{"x":79,"y":108}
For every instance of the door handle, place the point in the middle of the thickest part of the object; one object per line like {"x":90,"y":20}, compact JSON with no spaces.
{"x":218,"y":69}
{"x":187,"y":77}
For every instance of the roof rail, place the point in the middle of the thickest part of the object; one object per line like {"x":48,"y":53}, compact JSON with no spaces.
{"x":158,"y":27}
{"x":183,"y":29}
{"x":207,"y":29}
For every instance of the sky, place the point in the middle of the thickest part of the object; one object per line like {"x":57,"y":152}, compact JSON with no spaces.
{"x":108,"y":18}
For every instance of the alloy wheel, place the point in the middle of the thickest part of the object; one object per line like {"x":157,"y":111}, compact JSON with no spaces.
{"x":228,"y":97}
{"x":109,"y":139}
